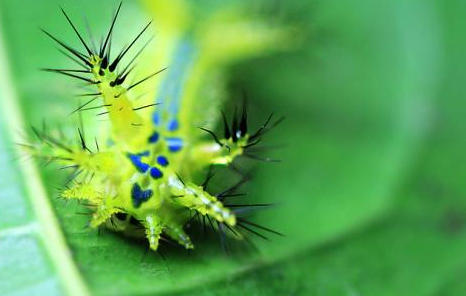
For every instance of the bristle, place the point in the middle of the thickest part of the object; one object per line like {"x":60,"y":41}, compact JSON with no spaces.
{"x":243,"y":126}
{"x":83,"y":141}
{"x":146,"y":106}
{"x":71,"y":50}
{"x":104,"y":46}
{"x":144,"y":79}
{"x":232,"y":230}
{"x":210,"y":222}
{"x":102,"y":113}
{"x":97,"y":144}
{"x":223,"y":196}
{"x":104,"y":63}
{"x":209,"y":177}
{"x":252,"y":144}
{"x":89,"y":95}
{"x":125,"y":70}
{"x":265,"y":128}
{"x":123,"y":53}
{"x":109,"y":50}
{"x":121,"y":78}
{"x":253,"y":231}
{"x":73,"y":176}
{"x":49,"y":140}
{"x":179,"y":178}
{"x":273,"y":125}
{"x":260,"y":226}
{"x":68,"y":167}
{"x":265,"y":148}
{"x":73,"y":59}
{"x":91,"y":36}
{"x":74,"y":76}
{"x":204,"y":225}
{"x":234,"y":127}
{"x":76,"y":31}
{"x":223,"y":239}
{"x":96,"y":107}
{"x":84,"y":105}
{"x":214,"y":136}
{"x":232,"y":189}
{"x":64,"y":70}
{"x":226,"y":130}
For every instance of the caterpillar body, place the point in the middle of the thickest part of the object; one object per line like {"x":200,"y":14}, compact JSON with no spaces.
{"x":141,"y":182}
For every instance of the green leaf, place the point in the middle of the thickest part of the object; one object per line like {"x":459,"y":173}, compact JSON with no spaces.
{"x":34,"y":258}
{"x":357,"y":95}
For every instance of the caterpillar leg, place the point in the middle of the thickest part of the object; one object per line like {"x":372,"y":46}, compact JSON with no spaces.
{"x":153,"y":230}
{"x":177,"y":233}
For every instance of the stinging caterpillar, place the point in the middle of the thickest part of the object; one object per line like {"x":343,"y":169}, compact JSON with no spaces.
{"x":141,"y":182}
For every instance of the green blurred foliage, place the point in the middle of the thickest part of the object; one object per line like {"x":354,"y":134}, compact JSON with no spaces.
{"x":369,"y":193}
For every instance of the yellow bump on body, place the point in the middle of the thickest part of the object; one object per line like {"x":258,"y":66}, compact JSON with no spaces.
{"x":82,"y":191}
{"x":102,"y":214}
{"x":207,"y":153}
{"x":194,"y":197}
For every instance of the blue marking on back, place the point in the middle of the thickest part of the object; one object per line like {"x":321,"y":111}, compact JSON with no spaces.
{"x":156,"y":173}
{"x":162,"y":160}
{"x":139,"y":195}
{"x":136,"y":160}
{"x":172,"y":125}
{"x":172,"y":86}
{"x":154,"y":137}
{"x":174,"y":144}
{"x":156,"y":118}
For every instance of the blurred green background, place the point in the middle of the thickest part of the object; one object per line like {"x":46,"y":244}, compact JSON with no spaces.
{"x":370,"y":192}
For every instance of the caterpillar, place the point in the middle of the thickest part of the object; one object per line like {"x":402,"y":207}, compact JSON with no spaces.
{"x":141,"y":182}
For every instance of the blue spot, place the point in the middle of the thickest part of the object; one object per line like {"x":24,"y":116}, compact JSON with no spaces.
{"x":174,"y":144}
{"x":172,"y":125}
{"x":156,"y":173}
{"x":136,"y":160}
{"x":139,"y":196}
{"x":156,"y":118}
{"x":162,"y":160}
{"x":154,"y":137}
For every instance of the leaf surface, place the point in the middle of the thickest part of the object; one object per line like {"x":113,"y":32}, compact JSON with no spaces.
{"x":357,"y":96}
